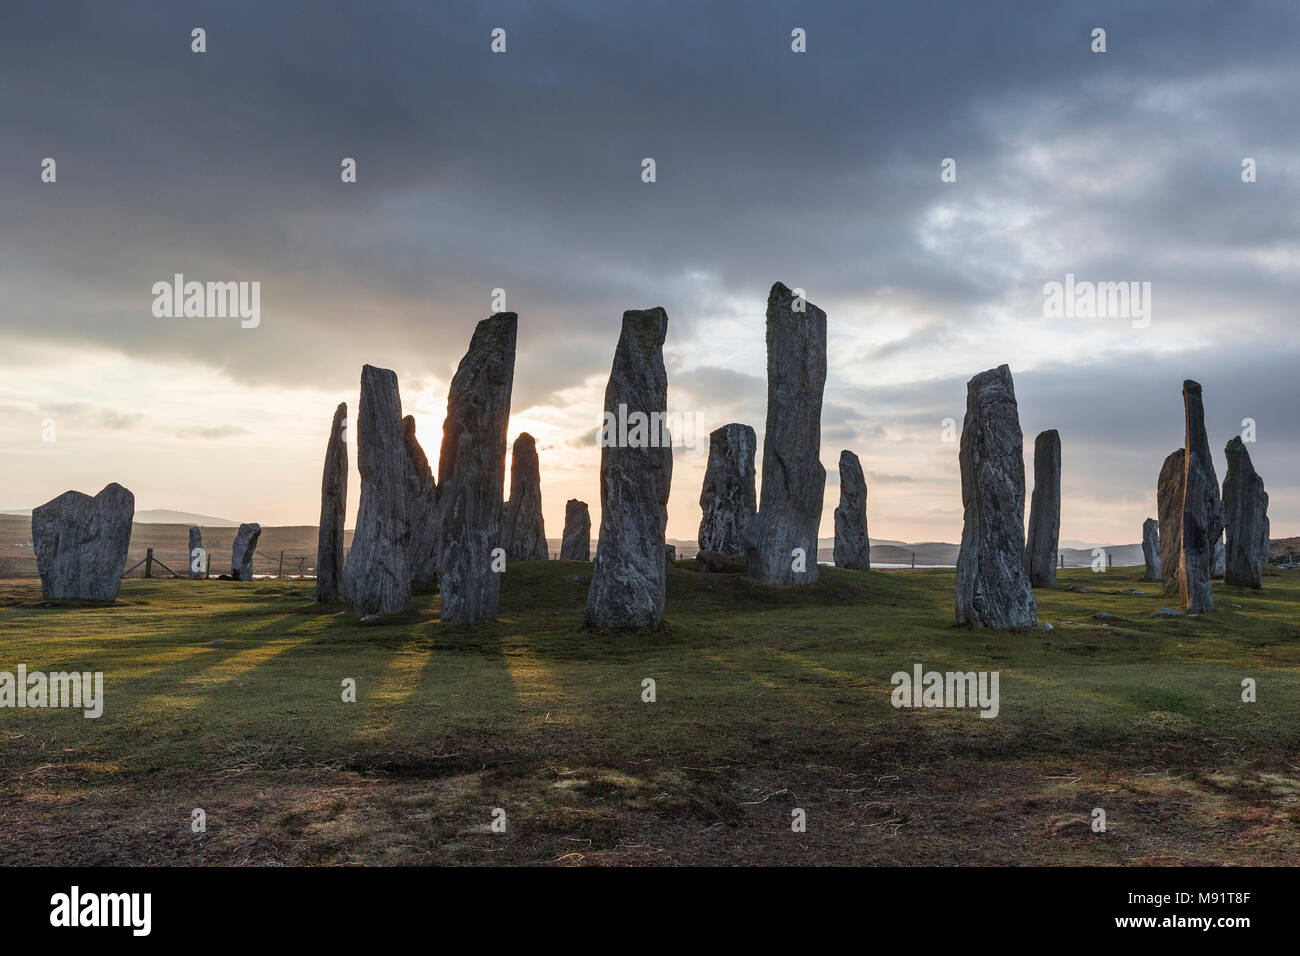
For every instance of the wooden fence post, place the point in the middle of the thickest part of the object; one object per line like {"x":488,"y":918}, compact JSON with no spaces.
{"x":148,"y":563}
{"x":280,"y":573}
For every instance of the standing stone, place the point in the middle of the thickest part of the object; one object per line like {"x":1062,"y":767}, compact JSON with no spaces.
{"x":727,"y":499}
{"x":1044,"y":511}
{"x":81,"y":543}
{"x":636,"y":470}
{"x":1202,"y":509}
{"x":201,"y":557}
{"x":1245,"y":512}
{"x":377,"y":576}
{"x":1220,"y":559}
{"x":576,"y":545}
{"x":1169,"y":508}
{"x":523,"y":532}
{"x":781,"y":539}
{"x":993,"y":589}
{"x":852,"y":544}
{"x":333,"y":509}
{"x":1151,"y":549}
{"x":421,"y":511}
{"x":471,"y":472}
{"x":241,"y":554}
{"x":670,"y":556}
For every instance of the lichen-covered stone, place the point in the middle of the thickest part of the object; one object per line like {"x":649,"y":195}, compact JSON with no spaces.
{"x":727,"y":500}
{"x":81,"y":543}
{"x":1169,"y":508}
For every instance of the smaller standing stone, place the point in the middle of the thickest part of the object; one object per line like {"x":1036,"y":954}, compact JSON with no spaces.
{"x":1169,"y":507}
{"x":1220,"y":559}
{"x":1044,"y":511}
{"x":852,"y":544}
{"x":1151,"y":549}
{"x":727,"y":499}
{"x":670,"y":556}
{"x":1202,"y":509}
{"x":333,"y":509}
{"x":576,"y":545}
{"x":197,"y":556}
{"x":1245,"y":510}
{"x":421,"y":511}
{"x":81,"y":543}
{"x":241,"y":557}
{"x":523,"y":532}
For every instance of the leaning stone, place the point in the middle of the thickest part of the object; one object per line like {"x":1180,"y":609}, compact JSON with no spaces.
{"x":81,"y":543}
{"x":471,"y":472}
{"x":636,"y":470}
{"x":1044,"y":511}
{"x":1245,"y":510}
{"x":241,"y":554}
{"x":781,"y":539}
{"x":993,"y":589}
{"x":727,"y":500}
{"x":852,"y":543}
{"x":576,"y":544}
{"x":197,"y":556}
{"x":421,"y":511}
{"x":523,"y":532}
{"x":333,"y":509}
{"x":1169,"y":508}
{"x":1151,"y":549}
{"x":1202,"y":510}
{"x":377,"y":577}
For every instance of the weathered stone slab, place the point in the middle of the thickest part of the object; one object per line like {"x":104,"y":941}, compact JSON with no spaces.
{"x":1202,"y":509}
{"x":636,"y":470}
{"x":781,"y":539}
{"x":993,"y":589}
{"x":333,"y":509}
{"x":1044,"y":511}
{"x":523,"y":532}
{"x":576,"y":544}
{"x":197,"y":556}
{"x":241,"y":553}
{"x":670,"y":556}
{"x":81,"y":543}
{"x":471,"y":472}
{"x":1245,"y":510}
{"x":727,"y":499}
{"x":852,"y":543}
{"x":1151,"y":549}
{"x":377,"y":575}
{"x":1169,"y":508}
{"x":421,"y":511}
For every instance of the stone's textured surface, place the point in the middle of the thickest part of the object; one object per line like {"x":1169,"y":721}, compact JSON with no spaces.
{"x":794,"y":480}
{"x":81,"y":543}
{"x":1151,"y":549}
{"x":1220,"y":559}
{"x":852,"y":544}
{"x":576,"y":544}
{"x":377,"y":577}
{"x":523,"y":532}
{"x":241,"y":553}
{"x":727,"y":499}
{"x":993,"y":589}
{"x":1202,"y":509}
{"x":715,"y":562}
{"x":471,"y":472}
{"x":196,"y":544}
{"x":1044,"y":511}
{"x":333,"y":509}
{"x":1245,"y":514}
{"x":627,"y":581}
{"x":421,"y":510}
{"x":1169,"y":508}
{"x":670,"y":556}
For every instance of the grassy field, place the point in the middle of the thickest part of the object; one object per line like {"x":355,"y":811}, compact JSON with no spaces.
{"x":226,"y":696}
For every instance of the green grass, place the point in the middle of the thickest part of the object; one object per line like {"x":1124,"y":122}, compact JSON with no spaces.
{"x":227,"y":696}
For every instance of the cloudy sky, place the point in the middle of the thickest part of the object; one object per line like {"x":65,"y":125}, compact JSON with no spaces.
{"x":522,"y":171}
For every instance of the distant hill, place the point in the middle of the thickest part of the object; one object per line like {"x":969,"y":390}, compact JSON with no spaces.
{"x":157,"y":516}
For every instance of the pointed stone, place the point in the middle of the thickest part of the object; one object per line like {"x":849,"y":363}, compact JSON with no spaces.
{"x":1151,"y":549}
{"x":1245,"y":511}
{"x":1202,"y":509}
{"x":1044,"y":511}
{"x":241,"y":553}
{"x":781,"y":539}
{"x":81,"y":543}
{"x":993,"y":589}
{"x":852,"y":544}
{"x":471,"y":472}
{"x":421,"y":511}
{"x":333,"y":509}
{"x":728,"y":500}
{"x":197,"y":556}
{"x":627,"y":581}
{"x":1169,"y":508}
{"x":576,"y":545}
{"x":523,"y":532}
{"x":377,"y":577}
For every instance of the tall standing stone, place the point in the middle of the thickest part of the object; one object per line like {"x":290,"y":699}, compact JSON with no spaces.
{"x":197,"y":556}
{"x":333,"y":509}
{"x":241,"y":553}
{"x":523,"y":532}
{"x":852,"y":544}
{"x":993,"y":589}
{"x":377,"y":576}
{"x":1245,"y":511}
{"x":421,"y":510}
{"x":727,"y":499}
{"x":81,"y":543}
{"x":781,"y":539}
{"x":471,"y":472}
{"x":1202,"y":509}
{"x":1151,"y":549}
{"x":1044,"y":511}
{"x":636,"y":470}
{"x":1169,"y":508}
{"x":576,"y":544}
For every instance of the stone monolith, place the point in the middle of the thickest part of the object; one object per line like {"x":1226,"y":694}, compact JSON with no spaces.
{"x":1044,"y":511}
{"x":1245,"y":518}
{"x":81,"y":543}
{"x":852,"y":544}
{"x":333,"y":509}
{"x":1202,"y":509}
{"x":196,"y":560}
{"x":727,"y":499}
{"x":421,"y":511}
{"x":1151,"y":549}
{"x":576,"y":544}
{"x":1169,"y":509}
{"x":523,"y":532}
{"x":241,"y":553}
